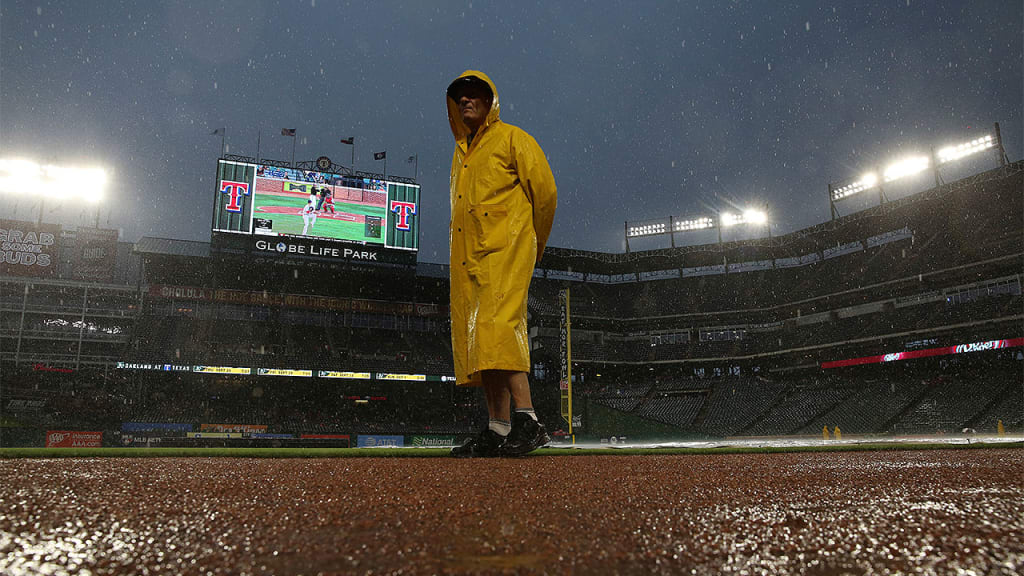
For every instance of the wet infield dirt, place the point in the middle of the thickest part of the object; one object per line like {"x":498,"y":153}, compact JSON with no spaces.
{"x":931,"y":512}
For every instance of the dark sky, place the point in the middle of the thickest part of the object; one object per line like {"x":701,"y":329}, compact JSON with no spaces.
{"x":644,"y":109}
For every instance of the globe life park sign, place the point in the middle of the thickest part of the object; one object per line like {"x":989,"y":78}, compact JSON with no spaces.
{"x":311,"y":248}
{"x":301,"y":248}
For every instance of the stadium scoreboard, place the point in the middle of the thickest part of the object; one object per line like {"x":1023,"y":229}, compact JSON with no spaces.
{"x":298,"y":212}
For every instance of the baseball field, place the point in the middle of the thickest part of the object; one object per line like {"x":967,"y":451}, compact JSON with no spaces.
{"x":852,"y":510}
{"x":347,"y":223}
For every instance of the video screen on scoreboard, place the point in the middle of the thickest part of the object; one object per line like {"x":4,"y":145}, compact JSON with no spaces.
{"x":274,"y":201}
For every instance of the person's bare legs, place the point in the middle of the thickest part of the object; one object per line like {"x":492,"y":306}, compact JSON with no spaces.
{"x":504,"y":388}
{"x":519,"y":390}
{"x":496,"y":391}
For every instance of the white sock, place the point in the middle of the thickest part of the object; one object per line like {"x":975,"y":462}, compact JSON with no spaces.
{"x":529,"y":412}
{"x":500,"y":427}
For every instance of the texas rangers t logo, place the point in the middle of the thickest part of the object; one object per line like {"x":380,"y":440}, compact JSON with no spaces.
{"x":404,"y":210}
{"x":235,"y":190}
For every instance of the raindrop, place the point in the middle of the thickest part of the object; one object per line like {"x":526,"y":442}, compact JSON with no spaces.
{"x":807,"y":25}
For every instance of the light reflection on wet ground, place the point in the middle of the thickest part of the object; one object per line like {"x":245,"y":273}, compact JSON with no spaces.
{"x":798,"y":441}
{"x":932,"y":512}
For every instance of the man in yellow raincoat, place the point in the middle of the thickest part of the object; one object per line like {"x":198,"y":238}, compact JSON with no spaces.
{"x":503,"y":201}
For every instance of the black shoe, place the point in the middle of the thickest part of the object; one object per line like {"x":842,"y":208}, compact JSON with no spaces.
{"x":486,"y":444}
{"x":527,"y":435}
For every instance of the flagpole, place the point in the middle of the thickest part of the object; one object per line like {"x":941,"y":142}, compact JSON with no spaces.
{"x":351,"y":141}
{"x":294,"y":138}
{"x":223,"y":134}
{"x":416,"y":167}
{"x":259,"y":140}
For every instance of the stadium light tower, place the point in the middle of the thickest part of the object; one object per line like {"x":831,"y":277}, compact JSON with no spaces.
{"x":911,"y":165}
{"x":21,"y":177}
{"x":671,"y":225}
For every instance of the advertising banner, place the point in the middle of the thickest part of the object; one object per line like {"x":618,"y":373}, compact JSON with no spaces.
{"x":152,"y":366}
{"x":155,"y":427}
{"x":243,"y":428}
{"x":95,"y":254}
{"x":73,"y":439}
{"x":345,"y":375}
{"x":433,"y":441}
{"x":284,"y":372}
{"x":29,"y":249}
{"x":379,"y":440}
{"x":402,"y":377}
{"x":306,"y":301}
{"x":214,"y":435}
{"x":222,"y":370}
{"x":927,"y":352}
{"x":339,"y":440}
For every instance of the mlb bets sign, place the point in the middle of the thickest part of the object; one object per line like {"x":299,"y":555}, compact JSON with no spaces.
{"x":291,"y":207}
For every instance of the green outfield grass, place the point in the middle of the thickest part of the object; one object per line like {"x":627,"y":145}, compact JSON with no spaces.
{"x":443,"y":452}
{"x":292,"y":223}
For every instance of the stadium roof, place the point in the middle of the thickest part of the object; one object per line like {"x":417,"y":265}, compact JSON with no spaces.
{"x":171,"y":247}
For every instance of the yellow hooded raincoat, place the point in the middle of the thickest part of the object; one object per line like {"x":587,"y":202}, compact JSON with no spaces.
{"x":503,"y":200}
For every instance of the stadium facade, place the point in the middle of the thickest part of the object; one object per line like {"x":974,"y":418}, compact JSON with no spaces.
{"x":904,"y":318}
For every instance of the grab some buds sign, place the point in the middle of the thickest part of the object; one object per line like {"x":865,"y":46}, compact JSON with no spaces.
{"x":28,"y":249}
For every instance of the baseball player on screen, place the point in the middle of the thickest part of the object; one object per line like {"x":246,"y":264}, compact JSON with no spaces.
{"x":308,"y":216}
{"x":328,"y":199}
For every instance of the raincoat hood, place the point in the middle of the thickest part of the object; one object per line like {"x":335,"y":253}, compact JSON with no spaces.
{"x":459,"y":128}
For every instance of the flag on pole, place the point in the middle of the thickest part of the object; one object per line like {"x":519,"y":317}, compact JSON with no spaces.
{"x":351,"y":140}
{"x":222,"y":132}
{"x":288,"y":132}
{"x":380,"y":155}
{"x":410,"y":159}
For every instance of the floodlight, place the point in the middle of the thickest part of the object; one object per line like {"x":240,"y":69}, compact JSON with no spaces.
{"x":906,"y":167}
{"x":728,"y":219}
{"x":747,"y":217}
{"x":693,"y":224}
{"x":754,"y":217}
{"x":19,"y":176}
{"x":866,"y":182}
{"x":950,"y":153}
{"x":646,"y":229}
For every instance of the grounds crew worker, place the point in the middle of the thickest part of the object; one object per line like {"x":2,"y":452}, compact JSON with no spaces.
{"x":503,"y":203}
